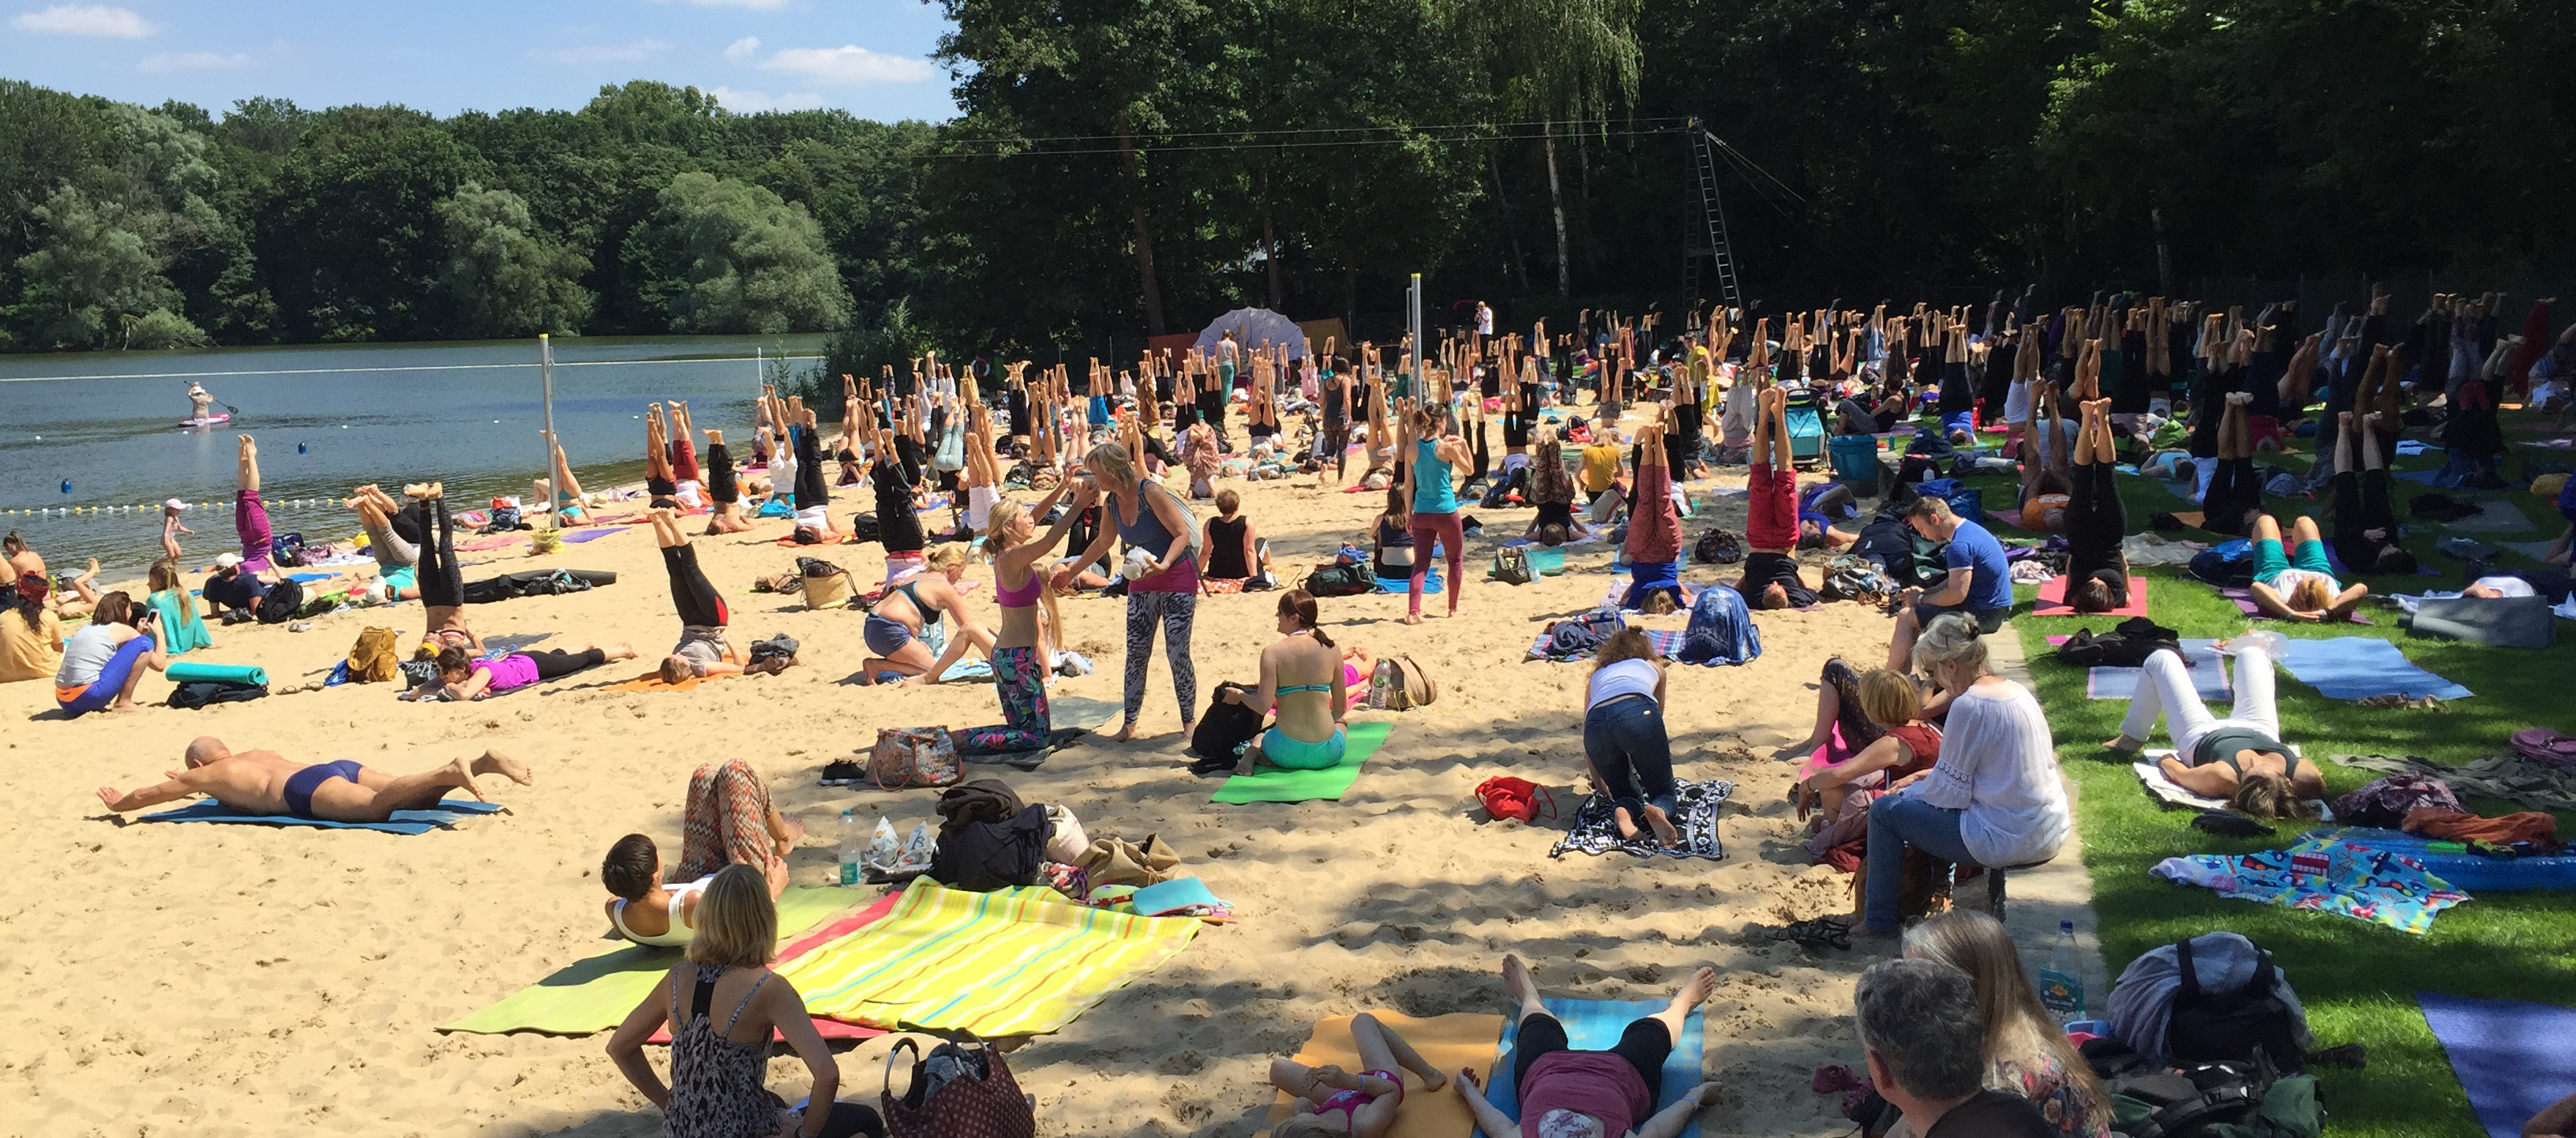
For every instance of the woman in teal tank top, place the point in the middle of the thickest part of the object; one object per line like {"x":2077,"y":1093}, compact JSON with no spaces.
{"x":1435,"y":451}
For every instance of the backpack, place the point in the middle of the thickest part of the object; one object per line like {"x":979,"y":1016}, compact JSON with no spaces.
{"x":283,"y":602}
{"x":1339,"y":580}
{"x":2542,"y":745}
{"x":1718,"y":547}
{"x":1968,"y":503}
{"x":2225,"y":565}
{"x":1512,"y":567}
{"x":287,"y":550}
{"x":199,"y":693}
{"x":1227,"y":726}
{"x":1401,"y":685}
{"x":2251,"y":1021}
{"x":374,"y":658}
{"x":2127,"y":645}
{"x":2194,"y":1102}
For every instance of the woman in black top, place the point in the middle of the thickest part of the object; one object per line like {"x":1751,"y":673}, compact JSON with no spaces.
{"x":1236,"y":552}
{"x":2097,"y":572}
{"x":1392,"y":535}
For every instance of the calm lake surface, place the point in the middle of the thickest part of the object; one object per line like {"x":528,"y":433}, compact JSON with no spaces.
{"x":331,"y":417}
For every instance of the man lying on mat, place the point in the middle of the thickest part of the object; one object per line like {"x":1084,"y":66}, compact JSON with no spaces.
{"x":1592,"y":1094}
{"x":265,"y":782}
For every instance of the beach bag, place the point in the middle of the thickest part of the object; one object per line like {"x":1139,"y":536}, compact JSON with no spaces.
{"x":1066,"y":840}
{"x":1718,"y":547}
{"x":1968,"y":503}
{"x":1227,"y":726}
{"x":286,"y":550}
{"x":1339,"y":580}
{"x":284,"y":602}
{"x":1512,"y":567}
{"x":1117,"y":861}
{"x":913,"y":756}
{"x":1505,"y":796}
{"x":1401,"y":685}
{"x":2542,"y":745}
{"x":956,"y":1092}
{"x":826,"y":585}
{"x":374,"y":659}
{"x":2240,"y":1025}
{"x":1850,"y":578}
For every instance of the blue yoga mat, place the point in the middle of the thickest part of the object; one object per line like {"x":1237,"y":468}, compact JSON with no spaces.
{"x":2353,"y":667}
{"x":2512,"y":1057}
{"x":1594,"y":1025}
{"x":402,"y":822}
{"x":1430,"y":583}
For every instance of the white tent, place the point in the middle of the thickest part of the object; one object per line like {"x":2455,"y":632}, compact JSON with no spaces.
{"x":1252,"y":328}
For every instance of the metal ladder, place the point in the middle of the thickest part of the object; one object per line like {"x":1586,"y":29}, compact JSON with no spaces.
{"x":1704,"y":227}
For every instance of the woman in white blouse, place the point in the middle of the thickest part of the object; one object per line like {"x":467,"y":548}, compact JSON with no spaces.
{"x":1994,"y":798}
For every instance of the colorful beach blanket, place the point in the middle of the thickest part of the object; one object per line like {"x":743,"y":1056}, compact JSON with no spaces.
{"x":1021,"y":961}
{"x":1595,"y":829}
{"x":2355,"y":879}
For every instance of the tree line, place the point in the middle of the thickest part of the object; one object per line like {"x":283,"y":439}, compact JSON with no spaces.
{"x":1142,"y":168}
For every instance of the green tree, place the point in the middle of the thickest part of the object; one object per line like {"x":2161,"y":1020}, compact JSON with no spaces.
{"x":504,"y":277}
{"x":727,"y":256}
{"x":1562,"y":60}
{"x":94,"y":284}
{"x":347,"y":243}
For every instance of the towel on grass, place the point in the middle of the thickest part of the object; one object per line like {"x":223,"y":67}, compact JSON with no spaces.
{"x":2354,"y":667}
{"x":2172,"y":794}
{"x":1596,"y":831}
{"x":2347,"y":878}
{"x":596,"y":993}
{"x":1594,"y":1025}
{"x":406,"y":822}
{"x":2511,"y":1056}
{"x":2243,"y":599}
{"x":1279,"y":784}
{"x":1019,"y":961}
{"x":2200,"y":659}
{"x":2052,"y":600}
{"x":1447,"y":1042}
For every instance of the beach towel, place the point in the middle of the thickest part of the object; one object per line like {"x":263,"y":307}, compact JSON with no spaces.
{"x":1668,"y":643}
{"x":2511,"y":1056}
{"x":2172,"y":794}
{"x":1019,"y":961}
{"x":1404,"y":585}
{"x":2347,"y":878}
{"x":1596,"y":831}
{"x":1448,"y":1043}
{"x":2200,"y":660}
{"x":1592,"y":538}
{"x":652,"y":681}
{"x":2352,"y":667}
{"x":407,"y":822}
{"x":1594,"y":1025}
{"x":2052,"y":600}
{"x":2243,"y":599}
{"x":591,"y":533}
{"x":594,"y":994}
{"x":1278,"y":784}
{"x":487,"y":544}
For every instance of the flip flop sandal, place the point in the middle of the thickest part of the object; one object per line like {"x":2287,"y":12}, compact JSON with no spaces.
{"x":1818,"y":933}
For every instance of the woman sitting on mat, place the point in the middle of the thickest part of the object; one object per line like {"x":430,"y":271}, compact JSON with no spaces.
{"x":1366,"y":1101}
{"x":2300,"y":584}
{"x":1021,"y":653}
{"x":182,"y":630}
{"x":2097,"y":571}
{"x":893,"y":631}
{"x":718,"y":1068}
{"x":1237,"y":555}
{"x":1302,"y":678}
{"x":2027,"y":1053}
{"x":728,"y":821}
{"x":462,"y":677}
{"x":2240,"y":758}
{"x":1840,"y":792}
{"x":702,"y":650}
{"x":1391,"y":538}
{"x":1624,"y":739}
{"x":105,"y":660}
{"x":1597,"y":1094}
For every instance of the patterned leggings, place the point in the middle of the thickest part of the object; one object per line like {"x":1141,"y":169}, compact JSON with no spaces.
{"x":1020,"y":677}
{"x":1858,"y":731}
{"x":726,"y":821}
{"x":1175,"y":611}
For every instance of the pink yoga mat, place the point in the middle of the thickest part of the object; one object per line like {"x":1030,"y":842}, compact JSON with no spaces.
{"x":2052,"y":600}
{"x":487,"y":544}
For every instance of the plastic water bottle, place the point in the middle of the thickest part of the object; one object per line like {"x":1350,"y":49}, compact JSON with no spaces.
{"x":851,"y":844}
{"x":2061,"y":984}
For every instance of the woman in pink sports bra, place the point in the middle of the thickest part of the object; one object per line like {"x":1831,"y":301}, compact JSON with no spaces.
{"x":1020,"y":656}
{"x":1331,"y":1100}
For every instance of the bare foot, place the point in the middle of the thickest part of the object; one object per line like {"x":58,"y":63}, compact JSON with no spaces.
{"x":1413,"y":618}
{"x":1126,"y":731}
{"x":1517,"y":982}
{"x":1666,"y":835}
{"x":124,"y":707}
{"x":1627,"y":825}
{"x":494,"y":762}
{"x":622,"y":652}
{"x":90,"y":576}
{"x":2124,"y":743}
{"x":462,"y":778}
{"x":1696,"y":992}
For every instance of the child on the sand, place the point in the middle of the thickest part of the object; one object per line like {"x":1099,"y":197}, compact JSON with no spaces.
{"x":1331,"y":1100}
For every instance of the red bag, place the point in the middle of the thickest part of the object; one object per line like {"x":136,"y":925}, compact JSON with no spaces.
{"x":966,"y":1106}
{"x":1507,"y":797}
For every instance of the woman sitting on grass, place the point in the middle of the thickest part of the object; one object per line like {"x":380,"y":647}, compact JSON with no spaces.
{"x":1366,"y":1101}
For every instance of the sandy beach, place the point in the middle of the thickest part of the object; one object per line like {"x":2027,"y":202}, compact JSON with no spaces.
{"x":236,"y":980}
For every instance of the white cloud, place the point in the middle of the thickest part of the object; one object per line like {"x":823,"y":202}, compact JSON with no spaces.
{"x":756,"y":5}
{"x":742,"y":49}
{"x":754,"y":102}
{"x":196,"y":61}
{"x":634,"y":52}
{"x":85,"y":20}
{"x":851,"y":65}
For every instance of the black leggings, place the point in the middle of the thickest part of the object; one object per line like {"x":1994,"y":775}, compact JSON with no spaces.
{"x":442,"y":582}
{"x":1645,"y":1044}
{"x":555,"y":663}
{"x":2234,"y":491}
{"x":2361,"y":503}
{"x":811,"y":483}
{"x":696,"y":599}
{"x":2096,"y":521}
{"x":720,"y":479}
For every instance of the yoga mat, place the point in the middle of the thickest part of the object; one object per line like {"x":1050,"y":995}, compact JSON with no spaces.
{"x":2199,"y":657}
{"x":1020,"y":961}
{"x":402,"y":821}
{"x":1430,"y":584}
{"x":2052,"y":600}
{"x":1278,"y":784}
{"x":595,"y":994}
{"x":2493,"y":516}
{"x":2335,"y":561}
{"x":193,"y":672}
{"x":2511,"y":1056}
{"x":1447,"y":1042}
{"x":1594,"y":1025}
{"x":591,"y":533}
{"x":487,"y":544}
{"x":2476,"y":873}
{"x":2353,"y":667}
{"x":830,"y":930}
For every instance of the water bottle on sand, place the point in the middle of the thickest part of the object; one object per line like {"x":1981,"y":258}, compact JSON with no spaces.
{"x":850,"y":847}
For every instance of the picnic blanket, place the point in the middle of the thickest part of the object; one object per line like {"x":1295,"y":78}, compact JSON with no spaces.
{"x":407,"y":822}
{"x":2511,"y":1056}
{"x":832,"y":928}
{"x":1668,"y":643}
{"x":1594,"y":1025}
{"x":2052,"y":599}
{"x":2354,"y":667}
{"x":1596,"y":831}
{"x":1430,"y":583}
{"x":2326,"y":875}
{"x":1447,"y":1042}
{"x":1279,"y":784}
{"x":595,"y":994}
{"x":2200,"y":659}
{"x":2172,"y":794}
{"x":1020,"y":961}
{"x":2243,"y":599}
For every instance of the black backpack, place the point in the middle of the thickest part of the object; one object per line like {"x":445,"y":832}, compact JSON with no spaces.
{"x":1226,"y":727}
{"x":2251,"y":1021}
{"x":199,"y":693}
{"x":1341,"y":581}
{"x":2201,"y":1100}
{"x":283,"y":602}
{"x":1718,"y":547}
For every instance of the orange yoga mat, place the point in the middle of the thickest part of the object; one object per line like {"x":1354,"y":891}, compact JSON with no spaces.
{"x":1448,"y":1042}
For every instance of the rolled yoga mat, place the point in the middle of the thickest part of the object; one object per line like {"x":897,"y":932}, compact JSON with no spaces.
{"x":185,"y":673}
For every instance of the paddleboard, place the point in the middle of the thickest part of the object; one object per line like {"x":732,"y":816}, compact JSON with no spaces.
{"x":217,"y":419}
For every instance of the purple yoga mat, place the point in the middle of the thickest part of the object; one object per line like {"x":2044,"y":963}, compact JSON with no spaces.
{"x":2244,"y":601}
{"x":592,"y":533}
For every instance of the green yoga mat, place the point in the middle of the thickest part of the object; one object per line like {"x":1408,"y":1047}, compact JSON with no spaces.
{"x":594,"y":995}
{"x":217,"y":673}
{"x":1275,"y":784}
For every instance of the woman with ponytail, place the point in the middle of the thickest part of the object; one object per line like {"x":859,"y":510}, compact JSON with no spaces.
{"x":1020,"y":650}
{"x":1302,"y":678}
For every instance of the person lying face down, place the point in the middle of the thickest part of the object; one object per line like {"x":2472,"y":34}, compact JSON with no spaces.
{"x":265,"y":782}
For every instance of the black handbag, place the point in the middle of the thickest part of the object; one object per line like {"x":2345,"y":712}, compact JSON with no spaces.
{"x":1227,"y":726}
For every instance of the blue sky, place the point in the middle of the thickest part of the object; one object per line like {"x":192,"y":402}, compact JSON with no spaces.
{"x":869,"y":57}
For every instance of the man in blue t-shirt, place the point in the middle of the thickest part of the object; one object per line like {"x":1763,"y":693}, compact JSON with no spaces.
{"x":1979,"y":585}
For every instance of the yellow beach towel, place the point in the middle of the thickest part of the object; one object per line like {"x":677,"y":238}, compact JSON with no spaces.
{"x":1012,"y":962}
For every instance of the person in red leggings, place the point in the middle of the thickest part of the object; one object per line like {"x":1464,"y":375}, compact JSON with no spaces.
{"x":1771,"y":579}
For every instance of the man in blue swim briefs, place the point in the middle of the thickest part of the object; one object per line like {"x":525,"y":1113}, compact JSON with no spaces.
{"x":265,"y":782}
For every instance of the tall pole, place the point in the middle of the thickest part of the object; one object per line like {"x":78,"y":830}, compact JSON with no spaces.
{"x":546,"y":374}
{"x":1413,"y":326}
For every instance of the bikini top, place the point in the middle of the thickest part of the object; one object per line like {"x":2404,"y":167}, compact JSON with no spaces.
{"x":679,"y":933}
{"x":1018,"y":598}
{"x":1303,"y":687}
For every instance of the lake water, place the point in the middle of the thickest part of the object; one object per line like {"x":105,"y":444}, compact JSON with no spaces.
{"x":331,"y":417}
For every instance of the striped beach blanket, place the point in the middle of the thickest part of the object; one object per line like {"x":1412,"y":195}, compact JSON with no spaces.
{"x":1011,"y":962}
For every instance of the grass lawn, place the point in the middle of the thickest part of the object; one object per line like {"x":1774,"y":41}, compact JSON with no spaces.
{"x":2356,"y":979}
